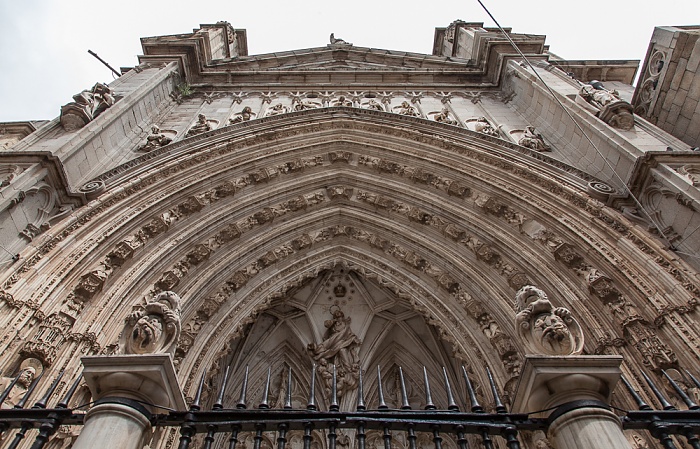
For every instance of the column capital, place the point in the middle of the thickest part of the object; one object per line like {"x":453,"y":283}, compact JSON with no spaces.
{"x":550,"y":381}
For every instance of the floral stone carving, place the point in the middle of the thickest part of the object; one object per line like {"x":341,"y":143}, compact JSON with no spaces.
{"x":545,"y":329}
{"x":154,"y":327}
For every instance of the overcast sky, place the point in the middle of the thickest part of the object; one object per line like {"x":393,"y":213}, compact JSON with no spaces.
{"x":44,"y":44}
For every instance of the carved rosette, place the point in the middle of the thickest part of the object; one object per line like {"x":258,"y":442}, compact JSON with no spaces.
{"x":545,"y":329}
{"x":153,"y":328}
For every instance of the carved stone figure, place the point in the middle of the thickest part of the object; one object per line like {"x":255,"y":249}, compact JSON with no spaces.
{"x":200,"y":127}
{"x":29,"y":369}
{"x":533,"y":140}
{"x":406,"y":109}
{"x":607,"y":105}
{"x":483,"y":126}
{"x":342,"y":101}
{"x":373,"y":105}
{"x":444,"y":117}
{"x":277,"y":109}
{"x":340,"y":348}
{"x":338,"y":41}
{"x":154,"y":327}
{"x":302,"y":105}
{"x":86,"y":106}
{"x":545,"y":329}
{"x":155,"y":140}
{"x":245,"y":115}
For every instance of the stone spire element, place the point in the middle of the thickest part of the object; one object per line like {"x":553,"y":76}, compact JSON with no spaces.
{"x":545,"y":329}
{"x":153,"y":328}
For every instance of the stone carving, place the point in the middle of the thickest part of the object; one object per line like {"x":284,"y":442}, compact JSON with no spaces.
{"x":338,"y":41}
{"x":372,"y":104}
{"x":533,"y":140}
{"x":443,"y":116}
{"x":607,"y":105}
{"x":340,"y":347}
{"x":482,"y":125}
{"x":691,"y":172}
{"x":200,"y":127}
{"x":277,"y":109}
{"x":302,"y":105}
{"x":245,"y":115}
{"x":545,"y":329}
{"x":29,"y":370}
{"x":342,"y":101}
{"x":405,"y":109}
{"x":154,"y":327}
{"x":155,"y":140}
{"x":87,"y":105}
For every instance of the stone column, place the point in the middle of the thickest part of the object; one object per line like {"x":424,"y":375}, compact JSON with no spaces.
{"x":578,"y":388}
{"x":125,"y":389}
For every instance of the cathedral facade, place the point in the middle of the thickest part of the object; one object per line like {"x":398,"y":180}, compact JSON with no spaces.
{"x":342,"y":208}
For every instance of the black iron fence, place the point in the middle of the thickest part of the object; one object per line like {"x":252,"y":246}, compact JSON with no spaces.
{"x":490,"y":429}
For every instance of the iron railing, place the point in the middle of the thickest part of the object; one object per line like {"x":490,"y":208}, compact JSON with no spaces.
{"x":229,"y":423}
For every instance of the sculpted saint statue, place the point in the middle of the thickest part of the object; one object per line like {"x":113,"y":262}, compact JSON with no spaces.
{"x":155,"y":140}
{"x":406,"y":109}
{"x":29,"y":370}
{"x":340,"y":348}
{"x":277,"y":109}
{"x":444,"y":117}
{"x":606,"y":105}
{"x":372,"y":104}
{"x":483,"y":126}
{"x":200,"y":127}
{"x":533,"y":140}
{"x":545,"y":329}
{"x":245,"y":115}
{"x":86,"y":106}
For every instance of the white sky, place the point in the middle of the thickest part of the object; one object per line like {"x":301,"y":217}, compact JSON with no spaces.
{"x":43,"y":43}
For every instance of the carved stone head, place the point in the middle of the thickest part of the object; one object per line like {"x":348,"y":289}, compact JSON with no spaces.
{"x":154,"y":327}
{"x":546,"y":330}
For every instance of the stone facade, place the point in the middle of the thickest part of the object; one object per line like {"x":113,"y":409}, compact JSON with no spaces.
{"x":349,"y":206}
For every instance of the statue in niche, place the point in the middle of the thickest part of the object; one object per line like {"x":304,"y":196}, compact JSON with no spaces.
{"x":545,"y":329}
{"x":245,"y":115}
{"x":342,"y":101}
{"x":483,"y":126}
{"x":406,"y":109}
{"x":340,"y":347}
{"x":277,"y":109}
{"x":200,"y":127}
{"x":302,"y":105}
{"x":86,"y":106}
{"x":154,"y":327}
{"x":607,"y":105}
{"x":373,"y":105}
{"x":533,"y":140}
{"x":444,"y":117}
{"x":155,"y":140}
{"x":29,"y":370}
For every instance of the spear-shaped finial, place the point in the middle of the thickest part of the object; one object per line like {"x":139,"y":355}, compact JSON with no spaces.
{"x":451,"y":405}
{"x":360,"y":394}
{"x":288,"y":399}
{"x":689,"y":402}
{"x":500,"y":408}
{"x":266,"y":391}
{"x":312,"y":392}
{"x":197,"y":403}
{"x":474,"y":405}
{"x":428,"y":395}
{"x":662,"y":399}
{"x":241,"y":404}
{"x":380,"y":391}
{"x":404,"y":397}
{"x":635,"y":395}
{"x":219,"y":405}
{"x":41,"y":403}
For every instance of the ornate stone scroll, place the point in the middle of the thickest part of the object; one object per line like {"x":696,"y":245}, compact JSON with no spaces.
{"x":340,"y":348}
{"x":545,"y":329}
{"x":154,"y":327}
{"x":87,"y":105}
{"x":607,"y":105}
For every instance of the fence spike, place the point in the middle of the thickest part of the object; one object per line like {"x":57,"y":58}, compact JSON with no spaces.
{"x":220,"y":399}
{"x":241,"y":404}
{"x":474,"y":405}
{"x":428,"y":395}
{"x":689,"y":402}
{"x":288,"y":399}
{"x":695,"y":381}
{"x":266,"y":391}
{"x":197,"y":403}
{"x":334,"y":392}
{"x":500,"y":408}
{"x":360,"y":394}
{"x":312,"y":393}
{"x":635,"y":395}
{"x":380,"y":391}
{"x":69,"y":394}
{"x":404,"y":397}
{"x":41,"y":403}
{"x":451,"y":405}
{"x":664,"y":402}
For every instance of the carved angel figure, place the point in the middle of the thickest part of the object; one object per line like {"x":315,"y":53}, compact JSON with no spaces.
{"x":406,"y":109}
{"x":340,"y":348}
{"x":155,"y":140}
{"x":200,"y":127}
{"x":545,"y":329}
{"x":153,"y":328}
{"x":533,"y":140}
{"x":444,"y":117}
{"x":245,"y":115}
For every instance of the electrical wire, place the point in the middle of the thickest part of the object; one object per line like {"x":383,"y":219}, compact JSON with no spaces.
{"x":585,"y":135}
